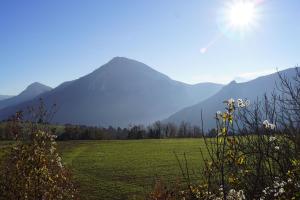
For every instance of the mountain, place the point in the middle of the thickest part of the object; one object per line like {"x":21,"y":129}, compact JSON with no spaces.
{"x":29,"y":93}
{"x":247,"y":90}
{"x":121,"y":92}
{"x":2,"y":97}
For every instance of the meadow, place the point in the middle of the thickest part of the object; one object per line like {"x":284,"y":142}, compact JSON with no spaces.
{"x":127,"y":169}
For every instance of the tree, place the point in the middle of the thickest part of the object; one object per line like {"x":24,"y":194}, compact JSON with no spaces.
{"x":184,"y":129}
{"x":136,"y":132}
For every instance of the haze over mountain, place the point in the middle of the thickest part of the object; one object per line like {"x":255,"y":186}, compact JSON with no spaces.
{"x":29,"y":93}
{"x":2,"y":97}
{"x":248,"y":90}
{"x":121,"y":92}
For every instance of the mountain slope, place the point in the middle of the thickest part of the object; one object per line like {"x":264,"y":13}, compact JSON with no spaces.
{"x":2,"y":97}
{"x":29,"y":93}
{"x":248,"y":90}
{"x":121,"y":92}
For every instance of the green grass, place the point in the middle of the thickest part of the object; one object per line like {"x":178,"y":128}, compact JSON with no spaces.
{"x":127,"y":169}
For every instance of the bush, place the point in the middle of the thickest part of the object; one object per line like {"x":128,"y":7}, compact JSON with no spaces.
{"x":32,"y":168}
{"x":254,"y":152}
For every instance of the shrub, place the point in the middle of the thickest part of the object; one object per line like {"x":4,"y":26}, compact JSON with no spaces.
{"x":32,"y":168}
{"x":255,"y":153}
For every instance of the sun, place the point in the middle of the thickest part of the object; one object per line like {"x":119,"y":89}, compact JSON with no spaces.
{"x":241,"y":13}
{"x":239,"y":18}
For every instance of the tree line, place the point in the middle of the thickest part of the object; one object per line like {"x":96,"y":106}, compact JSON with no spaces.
{"x":157,"y":130}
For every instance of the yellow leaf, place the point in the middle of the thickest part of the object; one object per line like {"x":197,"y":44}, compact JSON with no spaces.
{"x":223,"y":130}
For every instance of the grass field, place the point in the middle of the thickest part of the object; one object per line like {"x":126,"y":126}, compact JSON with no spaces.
{"x":127,"y":169}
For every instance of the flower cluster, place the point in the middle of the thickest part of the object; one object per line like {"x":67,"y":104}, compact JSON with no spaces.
{"x":239,"y":103}
{"x":272,"y":138}
{"x":243,"y":103}
{"x":268,"y":125}
{"x":228,"y":115}
{"x":236,"y":195}
{"x":280,"y":189}
{"x":200,"y":192}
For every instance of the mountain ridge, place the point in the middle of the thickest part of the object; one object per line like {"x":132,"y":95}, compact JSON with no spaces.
{"x":30,"y":92}
{"x":251,"y":90}
{"x":118,"y":93}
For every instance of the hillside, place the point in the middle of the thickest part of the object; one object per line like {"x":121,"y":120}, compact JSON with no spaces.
{"x":251,"y":90}
{"x":2,"y":97}
{"x":32,"y":91}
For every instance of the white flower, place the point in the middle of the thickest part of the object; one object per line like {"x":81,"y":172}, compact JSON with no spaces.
{"x":58,"y":159}
{"x":221,"y":188}
{"x":232,"y":191}
{"x":272,"y":138}
{"x":283,"y":183}
{"x":276,"y":184}
{"x":247,"y":102}
{"x":52,"y":149}
{"x":241,"y":194}
{"x":235,"y":195}
{"x":219,"y":115}
{"x":272,"y":126}
{"x":241,"y":103}
{"x":59,"y":164}
{"x":266,"y":123}
{"x":277,"y":147}
{"x":54,"y":136}
{"x":281,"y":191}
{"x":230,"y":101}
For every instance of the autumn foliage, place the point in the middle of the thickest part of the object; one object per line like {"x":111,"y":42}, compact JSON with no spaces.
{"x":32,"y":168}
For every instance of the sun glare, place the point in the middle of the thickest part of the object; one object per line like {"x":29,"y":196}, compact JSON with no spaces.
{"x":241,"y":13}
{"x":237,"y":19}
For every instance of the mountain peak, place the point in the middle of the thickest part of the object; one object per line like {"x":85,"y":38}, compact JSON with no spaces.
{"x":124,"y":62}
{"x":35,"y":89}
{"x":36,"y":85}
{"x":120,"y":67}
{"x":232,"y":82}
{"x":120,"y":58}
{"x":32,"y":91}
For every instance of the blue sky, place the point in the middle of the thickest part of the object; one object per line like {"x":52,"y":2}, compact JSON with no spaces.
{"x":60,"y":40}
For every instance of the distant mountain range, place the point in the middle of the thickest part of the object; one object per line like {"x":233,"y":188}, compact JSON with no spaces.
{"x":125,"y":91}
{"x":251,"y":90}
{"x":121,"y":92}
{"x":29,"y":93}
